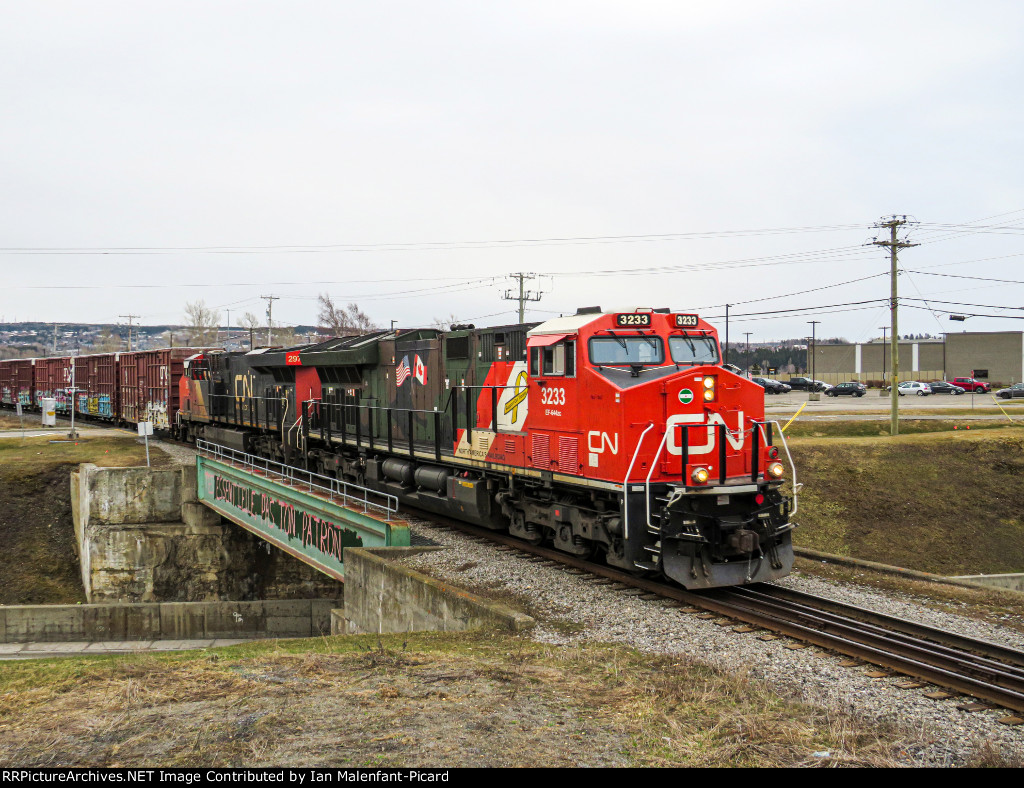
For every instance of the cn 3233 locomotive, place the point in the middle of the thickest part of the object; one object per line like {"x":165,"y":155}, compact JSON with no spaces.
{"x":617,"y":435}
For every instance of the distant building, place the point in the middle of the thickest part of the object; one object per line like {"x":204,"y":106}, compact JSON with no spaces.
{"x":996,"y":356}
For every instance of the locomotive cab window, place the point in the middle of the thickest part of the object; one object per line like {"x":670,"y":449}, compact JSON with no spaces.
{"x":615,"y":350}
{"x":690,"y":349}
{"x":554,"y":360}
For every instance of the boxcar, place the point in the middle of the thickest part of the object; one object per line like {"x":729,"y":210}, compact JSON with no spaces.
{"x":96,"y":384}
{"x":17,"y":381}
{"x":148,"y":385}
{"x":52,"y":379}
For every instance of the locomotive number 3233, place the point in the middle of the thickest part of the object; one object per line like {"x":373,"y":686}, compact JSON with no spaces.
{"x":552,"y":396}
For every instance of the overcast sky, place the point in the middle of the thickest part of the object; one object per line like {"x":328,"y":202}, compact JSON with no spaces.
{"x":408,"y":156}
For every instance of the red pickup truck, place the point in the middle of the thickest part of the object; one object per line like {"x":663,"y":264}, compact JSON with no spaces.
{"x":970,"y":384}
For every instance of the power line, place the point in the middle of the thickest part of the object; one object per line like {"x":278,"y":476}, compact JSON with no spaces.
{"x":962,"y":276}
{"x":417,"y":245}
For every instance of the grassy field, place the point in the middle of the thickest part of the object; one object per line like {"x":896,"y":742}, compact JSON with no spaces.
{"x":862,"y":428}
{"x":447,"y":699}
{"x":945,"y":502}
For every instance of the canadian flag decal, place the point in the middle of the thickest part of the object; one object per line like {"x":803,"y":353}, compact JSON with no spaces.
{"x":420,"y":371}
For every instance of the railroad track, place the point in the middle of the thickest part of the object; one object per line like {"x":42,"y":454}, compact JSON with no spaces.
{"x":991,"y":673}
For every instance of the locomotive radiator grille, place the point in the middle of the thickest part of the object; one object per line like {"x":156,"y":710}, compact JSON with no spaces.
{"x":568,"y":454}
{"x":541,"y":449}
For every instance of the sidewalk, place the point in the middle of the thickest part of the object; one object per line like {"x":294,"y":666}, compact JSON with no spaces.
{"x":76,"y":648}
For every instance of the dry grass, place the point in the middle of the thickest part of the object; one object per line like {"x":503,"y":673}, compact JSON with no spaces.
{"x":56,"y":449}
{"x":417,"y":700}
{"x":944,"y":503}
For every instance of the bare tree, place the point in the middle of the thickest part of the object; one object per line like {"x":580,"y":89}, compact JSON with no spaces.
{"x":249,"y":322}
{"x":445,"y":323}
{"x":107,"y":342}
{"x":349,"y":321}
{"x":201,"y":322}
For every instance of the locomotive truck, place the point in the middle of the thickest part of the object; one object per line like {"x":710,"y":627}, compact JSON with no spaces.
{"x":616,"y":435}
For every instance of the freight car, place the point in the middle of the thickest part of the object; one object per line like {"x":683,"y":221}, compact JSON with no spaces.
{"x":16,"y":382}
{"x":123,"y":388}
{"x":618,"y":435}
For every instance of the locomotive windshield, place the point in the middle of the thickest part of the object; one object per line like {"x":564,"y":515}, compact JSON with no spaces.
{"x":626,"y":350}
{"x":688,"y":349}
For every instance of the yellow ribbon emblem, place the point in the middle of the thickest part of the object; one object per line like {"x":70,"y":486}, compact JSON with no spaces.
{"x":512,"y":406}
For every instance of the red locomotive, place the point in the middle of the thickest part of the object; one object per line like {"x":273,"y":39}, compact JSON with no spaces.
{"x":613,"y":434}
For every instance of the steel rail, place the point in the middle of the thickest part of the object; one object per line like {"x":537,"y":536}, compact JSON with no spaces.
{"x":967,"y":666}
{"x":982,"y":648}
{"x":849,"y":639}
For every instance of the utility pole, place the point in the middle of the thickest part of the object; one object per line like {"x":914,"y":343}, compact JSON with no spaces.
{"x":270,"y":299}
{"x":129,"y":318}
{"x":726,"y":359}
{"x":814,"y":345}
{"x":523,"y":296}
{"x":55,"y":327}
{"x":893,"y":224}
{"x":747,"y":335}
{"x":884,"y":329}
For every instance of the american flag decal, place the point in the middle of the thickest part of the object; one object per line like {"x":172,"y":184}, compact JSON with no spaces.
{"x":403,"y":371}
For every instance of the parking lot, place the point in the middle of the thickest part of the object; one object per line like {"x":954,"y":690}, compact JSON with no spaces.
{"x":874,"y":403}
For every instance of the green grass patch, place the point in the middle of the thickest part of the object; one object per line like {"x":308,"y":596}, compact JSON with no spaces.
{"x":863,"y":428}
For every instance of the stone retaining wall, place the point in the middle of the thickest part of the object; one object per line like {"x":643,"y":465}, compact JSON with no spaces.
{"x":143,"y":536}
{"x":383,"y":595}
{"x":166,"y":621}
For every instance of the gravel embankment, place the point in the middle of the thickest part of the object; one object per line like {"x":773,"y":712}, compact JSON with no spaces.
{"x":178,"y":452}
{"x":942,"y":734}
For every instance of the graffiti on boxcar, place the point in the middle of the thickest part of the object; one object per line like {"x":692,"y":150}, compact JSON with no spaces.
{"x":98,"y":405}
{"x":156,"y":412}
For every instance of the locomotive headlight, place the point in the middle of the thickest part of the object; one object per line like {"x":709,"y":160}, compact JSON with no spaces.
{"x":709,"y":388}
{"x":699,"y":475}
{"x":776,"y":469}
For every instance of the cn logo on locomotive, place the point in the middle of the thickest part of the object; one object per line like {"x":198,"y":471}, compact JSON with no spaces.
{"x":602,"y":441}
{"x":736,"y":438}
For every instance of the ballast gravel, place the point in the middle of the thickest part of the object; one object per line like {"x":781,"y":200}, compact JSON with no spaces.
{"x":944,"y":735}
{"x":178,"y":452}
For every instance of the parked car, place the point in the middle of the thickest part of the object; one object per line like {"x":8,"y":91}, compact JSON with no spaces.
{"x":848,"y":389}
{"x":914,"y":387}
{"x":944,"y":387}
{"x":822,"y":385}
{"x":772,"y":386}
{"x":807,"y":384}
{"x":970,"y":384}
{"x":1016,"y":391}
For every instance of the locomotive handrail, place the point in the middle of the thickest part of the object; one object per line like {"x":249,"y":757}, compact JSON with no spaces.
{"x":294,"y":477}
{"x":757,"y":426}
{"x":625,"y":482}
{"x":792,"y":465}
{"x":654,"y":464}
